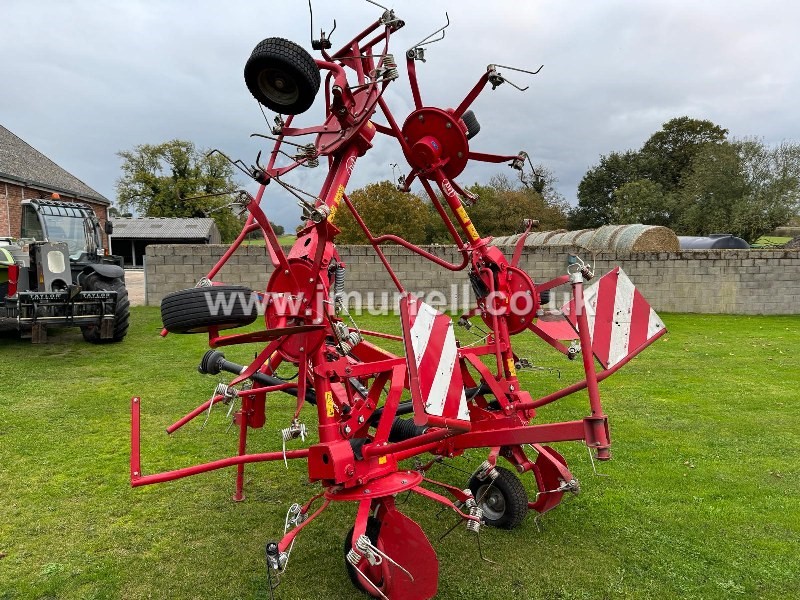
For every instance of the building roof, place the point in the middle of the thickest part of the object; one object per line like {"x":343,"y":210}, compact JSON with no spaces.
{"x":174,"y":228}
{"x":23,"y":164}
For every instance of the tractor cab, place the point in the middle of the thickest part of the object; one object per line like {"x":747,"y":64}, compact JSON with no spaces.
{"x":70,"y":222}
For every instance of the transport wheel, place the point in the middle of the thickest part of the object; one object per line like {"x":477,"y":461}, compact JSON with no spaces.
{"x":96,"y":283}
{"x":473,"y":127}
{"x":377,"y":574}
{"x":504,"y":501}
{"x":195,"y":310}
{"x":282,"y":76}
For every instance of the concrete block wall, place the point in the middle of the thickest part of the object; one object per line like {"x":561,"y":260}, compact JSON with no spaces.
{"x":700,"y":281}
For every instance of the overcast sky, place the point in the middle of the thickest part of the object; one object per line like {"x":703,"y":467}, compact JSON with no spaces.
{"x":81,"y":80}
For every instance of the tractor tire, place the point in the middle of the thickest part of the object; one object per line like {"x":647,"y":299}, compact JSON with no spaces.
{"x":504,"y":501}
{"x":473,"y":127}
{"x":196,"y":310}
{"x":96,"y":283}
{"x":373,"y":531}
{"x":282,"y":76}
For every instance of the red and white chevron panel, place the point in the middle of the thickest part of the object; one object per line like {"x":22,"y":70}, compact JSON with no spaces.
{"x":432,"y":355}
{"x":621,"y":321}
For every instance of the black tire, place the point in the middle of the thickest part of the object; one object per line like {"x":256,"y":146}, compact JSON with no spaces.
{"x":373,"y":531}
{"x":195,"y":310}
{"x":95,"y":283}
{"x":504,"y":501}
{"x":544,"y":297}
{"x":473,"y":127}
{"x":282,"y":76}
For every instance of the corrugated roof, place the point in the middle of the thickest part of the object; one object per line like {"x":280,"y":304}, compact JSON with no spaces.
{"x":172,"y":228}
{"x":22,"y":163}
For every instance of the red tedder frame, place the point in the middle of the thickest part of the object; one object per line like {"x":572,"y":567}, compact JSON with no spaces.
{"x":461,"y":396}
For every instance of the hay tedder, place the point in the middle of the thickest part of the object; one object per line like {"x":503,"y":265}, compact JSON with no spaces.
{"x":375,"y":409}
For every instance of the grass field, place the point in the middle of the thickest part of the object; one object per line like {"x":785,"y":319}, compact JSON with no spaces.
{"x":702,"y":499}
{"x":766,"y":241}
{"x":283,"y":240}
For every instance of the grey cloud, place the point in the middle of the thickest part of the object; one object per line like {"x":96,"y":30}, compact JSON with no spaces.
{"x":82,"y":80}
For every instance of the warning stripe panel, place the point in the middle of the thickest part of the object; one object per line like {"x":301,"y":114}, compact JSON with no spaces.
{"x":620,"y":320}
{"x":437,"y":384}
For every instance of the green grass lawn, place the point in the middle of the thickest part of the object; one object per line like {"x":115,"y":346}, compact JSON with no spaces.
{"x":284,"y":240}
{"x":766,"y":241}
{"x":702,"y":499}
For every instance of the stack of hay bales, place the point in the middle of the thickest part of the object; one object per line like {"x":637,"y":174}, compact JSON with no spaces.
{"x":613,"y":238}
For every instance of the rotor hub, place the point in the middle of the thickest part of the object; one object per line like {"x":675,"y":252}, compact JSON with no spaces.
{"x":436,"y":139}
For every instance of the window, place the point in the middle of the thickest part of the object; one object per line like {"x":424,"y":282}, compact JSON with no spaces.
{"x":31,"y":227}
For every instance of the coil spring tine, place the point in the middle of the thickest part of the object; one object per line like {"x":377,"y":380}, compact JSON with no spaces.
{"x":389,"y":67}
{"x":365,"y":543}
{"x":294,"y":431}
{"x":220,"y":390}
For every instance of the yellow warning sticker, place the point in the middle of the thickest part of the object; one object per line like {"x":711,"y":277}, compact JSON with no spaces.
{"x":468,"y":226}
{"x":329,"y":404}
{"x":337,"y":199}
{"x":382,"y":460}
{"x":511,"y":368}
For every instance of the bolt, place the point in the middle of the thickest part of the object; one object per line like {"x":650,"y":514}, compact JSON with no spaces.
{"x":366,"y":491}
{"x":135,"y":400}
{"x":421,"y":117}
{"x":347,"y":429}
{"x":460,"y":155}
{"x":286,"y":272}
{"x":448,"y":125}
{"x":136,"y":473}
{"x":403,"y":482}
{"x":360,"y":419}
{"x":310,"y":280}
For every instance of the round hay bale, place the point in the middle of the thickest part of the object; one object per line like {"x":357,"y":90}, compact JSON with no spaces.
{"x":584,"y":237}
{"x":535,"y":238}
{"x":602,"y":239}
{"x":646,"y":238}
{"x":570,"y":237}
{"x":559,"y":239}
{"x":506,"y":240}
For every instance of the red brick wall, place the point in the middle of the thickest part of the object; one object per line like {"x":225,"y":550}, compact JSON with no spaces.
{"x":11,"y":197}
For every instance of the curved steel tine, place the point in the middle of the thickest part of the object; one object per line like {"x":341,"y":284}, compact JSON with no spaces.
{"x":427,"y":40}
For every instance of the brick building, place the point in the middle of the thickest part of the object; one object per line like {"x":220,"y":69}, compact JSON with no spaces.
{"x":26,"y":174}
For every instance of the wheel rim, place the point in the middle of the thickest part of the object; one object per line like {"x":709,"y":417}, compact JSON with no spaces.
{"x":491,"y":501}
{"x":278,"y":86}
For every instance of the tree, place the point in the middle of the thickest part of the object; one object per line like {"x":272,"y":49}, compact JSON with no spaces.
{"x":642,"y":201}
{"x":596,"y":189}
{"x":668,"y":155}
{"x":744,"y":187}
{"x":174,"y":179}
{"x":278,"y":229}
{"x":711,"y":192}
{"x":385,"y":210}
{"x":503,"y":204}
{"x":665,"y":159}
{"x":114,"y":212}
